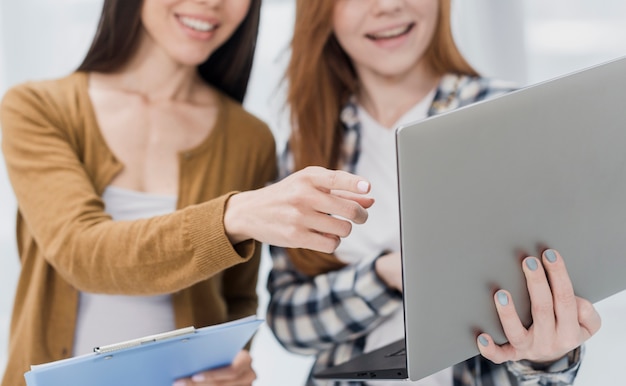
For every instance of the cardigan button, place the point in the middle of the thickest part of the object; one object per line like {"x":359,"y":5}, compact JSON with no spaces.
{"x":187,"y":155}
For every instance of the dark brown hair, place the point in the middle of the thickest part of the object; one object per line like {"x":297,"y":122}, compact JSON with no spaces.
{"x":227,"y":69}
{"x":321,"y":78}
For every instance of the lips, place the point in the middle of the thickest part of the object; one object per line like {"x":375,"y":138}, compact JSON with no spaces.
{"x":391,"y":33}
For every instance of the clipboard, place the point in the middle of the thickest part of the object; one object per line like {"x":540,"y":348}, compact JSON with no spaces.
{"x":156,"y":360}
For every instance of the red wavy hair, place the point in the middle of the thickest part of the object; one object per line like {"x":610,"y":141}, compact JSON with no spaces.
{"x":321,"y":78}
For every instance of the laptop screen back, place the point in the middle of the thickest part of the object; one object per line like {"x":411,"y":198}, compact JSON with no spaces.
{"x":544,"y":165}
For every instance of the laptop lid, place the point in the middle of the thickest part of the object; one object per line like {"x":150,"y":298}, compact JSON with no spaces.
{"x":544,"y":165}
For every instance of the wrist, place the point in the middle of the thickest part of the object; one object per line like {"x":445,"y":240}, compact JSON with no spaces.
{"x":234,"y":219}
{"x":385,"y":270}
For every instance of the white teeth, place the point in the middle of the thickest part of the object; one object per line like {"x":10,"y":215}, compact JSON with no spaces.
{"x":198,"y":25}
{"x":391,"y":33}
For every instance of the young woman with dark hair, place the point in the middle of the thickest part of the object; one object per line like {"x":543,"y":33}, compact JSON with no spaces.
{"x":117,"y":36}
{"x":358,"y":69}
{"x":141,"y":186}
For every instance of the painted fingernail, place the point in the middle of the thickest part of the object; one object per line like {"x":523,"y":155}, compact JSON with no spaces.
{"x":550,"y":255}
{"x":179,"y":383}
{"x":531,"y":263}
{"x":502,"y":298}
{"x":198,"y":378}
{"x":363,"y":186}
{"x":483,"y":341}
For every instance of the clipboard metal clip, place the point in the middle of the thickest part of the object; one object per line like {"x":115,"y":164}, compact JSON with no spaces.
{"x":143,"y":340}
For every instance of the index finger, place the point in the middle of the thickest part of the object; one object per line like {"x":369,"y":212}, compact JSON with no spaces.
{"x":328,"y":180}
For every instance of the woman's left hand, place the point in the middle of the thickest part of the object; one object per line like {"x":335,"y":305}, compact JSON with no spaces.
{"x":561,"y":320}
{"x":239,"y":373}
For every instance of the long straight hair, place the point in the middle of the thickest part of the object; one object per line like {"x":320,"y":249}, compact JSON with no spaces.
{"x":117,"y":36}
{"x":321,"y":78}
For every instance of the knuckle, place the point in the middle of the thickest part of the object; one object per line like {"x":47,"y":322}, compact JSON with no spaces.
{"x":309,"y":170}
{"x":569,"y":342}
{"x":565,"y":299}
{"x":301,"y":199}
{"x":493,"y":355}
{"x":345,"y":228}
{"x":333,"y":179}
{"x":291,"y":218}
{"x":304,"y":177}
{"x":332,"y":244}
{"x":589,"y":316}
{"x":518,"y":340}
{"x":586,"y":310}
{"x":292,"y":234}
{"x":549,"y":352}
{"x":497,"y":360}
{"x":351,"y":210}
{"x":253,"y":377}
{"x":313,"y":169}
{"x":542,"y":308}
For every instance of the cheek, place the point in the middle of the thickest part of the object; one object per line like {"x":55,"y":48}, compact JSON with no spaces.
{"x":432,"y":15}
{"x":154,"y":17}
{"x":238,"y":10}
{"x":344,"y":20}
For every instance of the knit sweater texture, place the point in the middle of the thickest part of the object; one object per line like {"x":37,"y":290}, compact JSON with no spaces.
{"x":59,"y":165}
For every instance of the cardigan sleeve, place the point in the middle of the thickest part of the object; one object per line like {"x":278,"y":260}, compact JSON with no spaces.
{"x":66,"y":217}
{"x":239,"y":284}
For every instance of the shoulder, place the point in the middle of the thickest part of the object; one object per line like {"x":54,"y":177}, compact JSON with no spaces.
{"x":460,"y":90}
{"x":44,"y":97}
{"x":243,"y":124}
{"x":49,"y":88}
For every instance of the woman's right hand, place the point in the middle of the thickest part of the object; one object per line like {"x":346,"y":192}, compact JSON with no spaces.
{"x":313,"y":209}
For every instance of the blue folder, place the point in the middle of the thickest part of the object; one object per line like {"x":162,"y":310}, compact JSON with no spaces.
{"x":155,"y":360}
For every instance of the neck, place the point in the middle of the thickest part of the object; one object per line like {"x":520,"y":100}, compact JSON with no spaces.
{"x":154,"y":75}
{"x":388,"y":98}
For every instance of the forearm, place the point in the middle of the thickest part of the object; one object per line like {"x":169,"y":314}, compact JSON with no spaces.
{"x":158,"y":255}
{"x":312,"y":314}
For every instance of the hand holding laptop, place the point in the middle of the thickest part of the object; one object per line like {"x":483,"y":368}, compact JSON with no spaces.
{"x":561,"y":320}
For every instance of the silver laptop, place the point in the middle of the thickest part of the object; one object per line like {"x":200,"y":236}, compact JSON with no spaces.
{"x":544,"y":166}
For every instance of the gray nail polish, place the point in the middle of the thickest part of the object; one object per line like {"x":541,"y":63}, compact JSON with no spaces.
{"x":502,"y":298}
{"x":531,"y":263}
{"x":482,"y":340}
{"x":550,"y":255}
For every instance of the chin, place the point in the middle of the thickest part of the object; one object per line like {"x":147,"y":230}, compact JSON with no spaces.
{"x":191,"y":60}
{"x":192,"y":63}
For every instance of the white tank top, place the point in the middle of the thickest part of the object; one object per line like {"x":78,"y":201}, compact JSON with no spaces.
{"x":107,"y":319}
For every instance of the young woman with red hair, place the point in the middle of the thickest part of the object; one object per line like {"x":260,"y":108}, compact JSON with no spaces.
{"x":358,"y":69}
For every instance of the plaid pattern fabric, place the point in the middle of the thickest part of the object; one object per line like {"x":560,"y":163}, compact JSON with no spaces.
{"x":330,"y":315}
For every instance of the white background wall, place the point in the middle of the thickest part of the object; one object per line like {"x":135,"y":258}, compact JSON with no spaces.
{"x":522,"y":41}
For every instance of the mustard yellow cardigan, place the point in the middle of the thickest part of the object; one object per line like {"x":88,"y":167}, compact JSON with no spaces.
{"x":59,"y":165}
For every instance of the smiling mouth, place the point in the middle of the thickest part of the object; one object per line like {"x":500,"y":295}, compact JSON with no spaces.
{"x":391,"y":33}
{"x":197,"y":24}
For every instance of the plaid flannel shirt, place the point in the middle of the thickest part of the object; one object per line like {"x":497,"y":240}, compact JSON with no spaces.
{"x":330,"y":315}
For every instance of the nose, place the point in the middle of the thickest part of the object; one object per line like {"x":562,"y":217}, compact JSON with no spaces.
{"x":382,"y":6}
{"x":211,"y":3}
